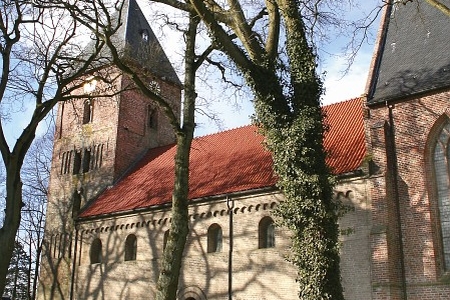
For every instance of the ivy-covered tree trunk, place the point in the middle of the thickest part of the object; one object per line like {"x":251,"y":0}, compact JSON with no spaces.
{"x":289,"y":115}
{"x":299,"y":157}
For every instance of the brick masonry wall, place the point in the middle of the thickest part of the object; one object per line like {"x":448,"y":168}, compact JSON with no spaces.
{"x":413,"y":123}
{"x":257,"y":273}
{"x":134,"y":136}
{"x":116,"y":136}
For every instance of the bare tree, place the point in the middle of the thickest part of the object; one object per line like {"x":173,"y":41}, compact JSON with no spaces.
{"x":184,"y":128}
{"x":41,"y":64}
{"x":287,"y":94}
{"x":35,"y":176}
{"x":443,"y":7}
{"x":272,"y":45}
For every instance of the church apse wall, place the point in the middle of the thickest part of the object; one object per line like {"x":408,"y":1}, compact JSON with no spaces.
{"x":414,"y":233}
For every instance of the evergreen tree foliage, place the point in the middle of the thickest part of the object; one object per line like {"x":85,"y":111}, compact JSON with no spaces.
{"x":17,"y":277}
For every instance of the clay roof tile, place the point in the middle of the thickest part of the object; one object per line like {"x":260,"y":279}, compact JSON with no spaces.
{"x":227,"y":162}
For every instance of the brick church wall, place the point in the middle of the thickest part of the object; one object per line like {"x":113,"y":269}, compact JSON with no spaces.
{"x":413,"y":120}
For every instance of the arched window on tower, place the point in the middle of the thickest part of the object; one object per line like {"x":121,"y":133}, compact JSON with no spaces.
{"x":214,"y":238}
{"x":266,"y":233}
{"x":87,"y":112}
{"x":130,"y":247}
{"x":95,"y":253}
{"x":76,"y":203}
{"x":441,"y":165}
{"x":152,"y":118}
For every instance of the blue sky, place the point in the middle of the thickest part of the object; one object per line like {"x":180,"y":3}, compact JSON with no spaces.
{"x":234,"y":109}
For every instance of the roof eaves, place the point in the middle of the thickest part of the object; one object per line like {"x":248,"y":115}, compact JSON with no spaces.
{"x":168,"y":203}
{"x":398,"y":97}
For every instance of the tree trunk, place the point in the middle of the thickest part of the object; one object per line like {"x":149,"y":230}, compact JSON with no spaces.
{"x":172,"y":256}
{"x":291,"y":120}
{"x":12,"y":220}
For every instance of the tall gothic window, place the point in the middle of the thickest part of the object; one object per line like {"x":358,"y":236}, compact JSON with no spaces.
{"x":441,"y":163}
{"x":266,"y":232}
{"x":130,"y":247}
{"x":96,"y":251}
{"x":214,"y":238}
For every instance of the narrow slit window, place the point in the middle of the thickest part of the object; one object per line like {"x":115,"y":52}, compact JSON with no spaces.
{"x":77,"y":162}
{"x":166,"y":237}
{"x":86,"y":160}
{"x":87,"y":112}
{"x":152,"y":118}
{"x":76,"y":203}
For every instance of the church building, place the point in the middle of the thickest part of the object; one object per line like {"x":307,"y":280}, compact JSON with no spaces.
{"x":112,"y":177}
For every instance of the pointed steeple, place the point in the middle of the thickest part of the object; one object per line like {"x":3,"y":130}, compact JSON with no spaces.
{"x":142,"y":45}
{"x":412,"y":53}
{"x":136,"y":41}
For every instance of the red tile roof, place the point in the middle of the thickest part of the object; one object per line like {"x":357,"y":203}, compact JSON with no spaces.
{"x":227,"y":162}
{"x":345,"y":141}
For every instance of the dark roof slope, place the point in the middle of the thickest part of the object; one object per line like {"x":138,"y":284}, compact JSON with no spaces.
{"x":149,"y":54}
{"x":227,"y":162}
{"x":414,"y":56}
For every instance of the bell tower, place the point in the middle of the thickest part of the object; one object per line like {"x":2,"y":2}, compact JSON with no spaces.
{"x":99,"y":137}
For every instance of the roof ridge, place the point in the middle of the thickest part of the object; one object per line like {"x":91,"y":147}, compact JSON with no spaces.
{"x":343,"y":101}
{"x":225,"y":131}
{"x":251,"y":124}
